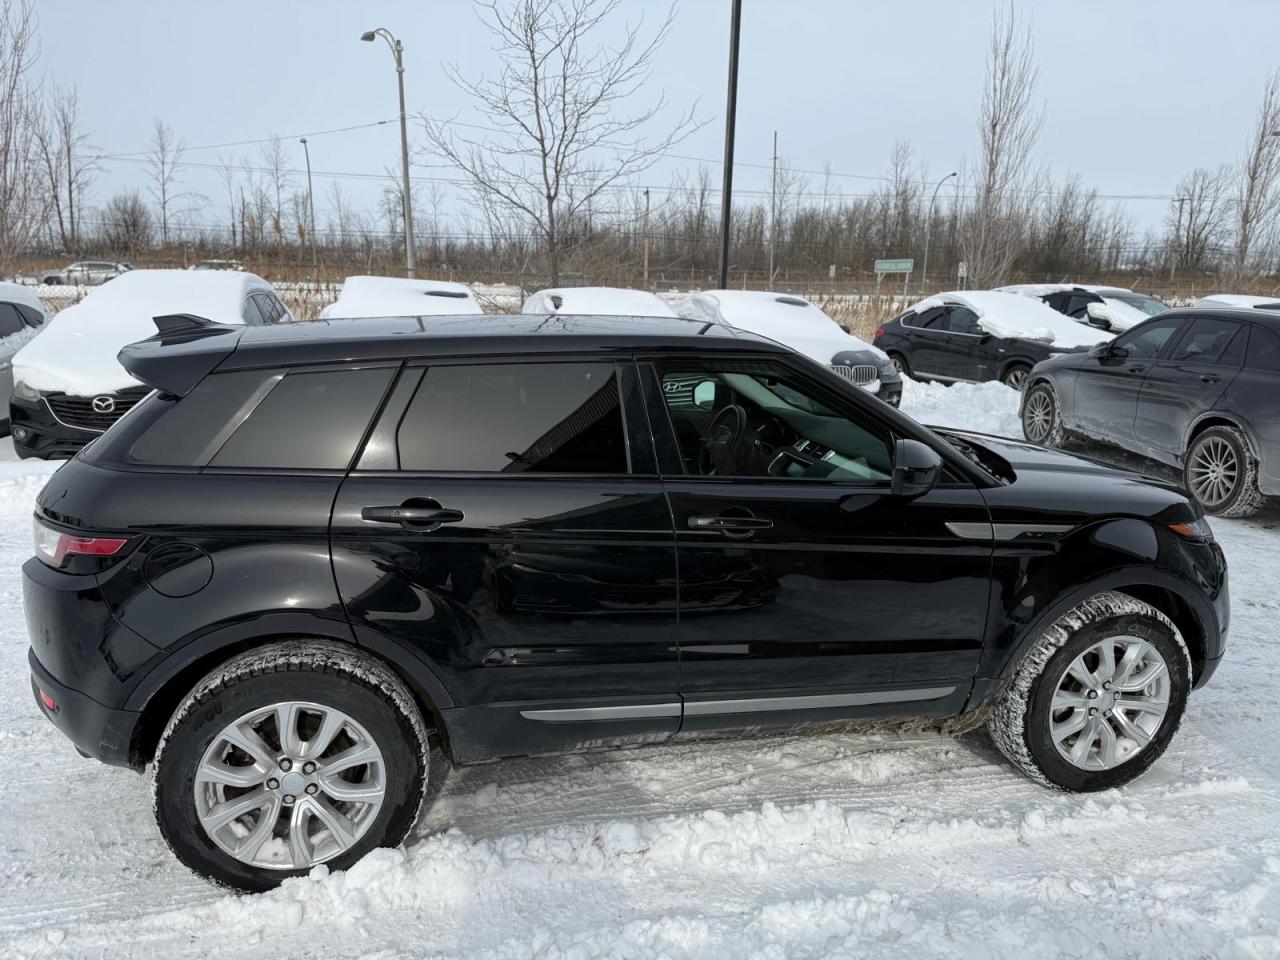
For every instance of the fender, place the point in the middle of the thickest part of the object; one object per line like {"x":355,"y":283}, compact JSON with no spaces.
{"x":1231,"y":418}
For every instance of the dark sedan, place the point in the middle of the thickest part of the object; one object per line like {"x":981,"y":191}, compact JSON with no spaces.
{"x":1196,"y":389}
{"x":980,"y":335}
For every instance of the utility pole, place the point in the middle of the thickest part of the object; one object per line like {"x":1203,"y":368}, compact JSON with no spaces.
{"x":773,"y":208}
{"x":1177,"y":240}
{"x":397,"y":51}
{"x":730,"y":119}
{"x":646,"y":238}
{"x":928,"y":223}
{"x":311,"y":207}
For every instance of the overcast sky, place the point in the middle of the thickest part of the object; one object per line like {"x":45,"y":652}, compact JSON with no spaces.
{"x":1135,"y":92}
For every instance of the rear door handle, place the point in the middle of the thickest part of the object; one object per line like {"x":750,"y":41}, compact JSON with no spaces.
{"x":1138,"y":368}
{"x":730,"y":524}
{"x":425,"y":517}
{"x":1210,"y":377}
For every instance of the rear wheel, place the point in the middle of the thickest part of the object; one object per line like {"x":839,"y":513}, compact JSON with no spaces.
{"x":1221,"y":473}
{"x":1016,"y":375}
{"x":1041,"y":419}
{"x":287,"y":757}
{"x":900,"y":364}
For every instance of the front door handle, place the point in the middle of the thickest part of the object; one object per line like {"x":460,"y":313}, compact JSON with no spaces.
{"x":731,"y":526}
{"x":1210,"y":377}
{"x":412,"y":515}
{"x":1138,"y":368}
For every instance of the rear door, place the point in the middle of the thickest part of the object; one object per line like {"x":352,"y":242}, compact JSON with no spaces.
{"x":506,"y":525}
{"x":927,"y":331}
{"x":1198,"y":368}
{"x":1105,"y":395}
{"x":960,"y":352}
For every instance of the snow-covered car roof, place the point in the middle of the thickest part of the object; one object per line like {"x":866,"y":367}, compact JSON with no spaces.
{"x":1043,"y":289}
{"x":401,"y":297}
{"x":76,"y":353}
{"x":21,"y":293}
{"x":602,"y":301}
{"x":1238,"y":300}
{"x":783,"y":317}
{"x":1004,"y":314}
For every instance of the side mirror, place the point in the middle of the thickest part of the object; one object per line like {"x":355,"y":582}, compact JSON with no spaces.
{"x":1099,"y":316}
{"x":704,"y":394}
{"x":1100,"y":351}
{"x":916,"y":468}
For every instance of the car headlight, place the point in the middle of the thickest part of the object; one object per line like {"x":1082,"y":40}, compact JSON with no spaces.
{"x":1055,"y":356}
{"x":1198,"y":530}
{"x":24,"y":391}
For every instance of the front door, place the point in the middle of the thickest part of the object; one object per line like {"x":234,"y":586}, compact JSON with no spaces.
{"x":1105,"y":393}
{"x":506,"y":526}
{"x":1188,"y":382}
{"x":808,"y":591}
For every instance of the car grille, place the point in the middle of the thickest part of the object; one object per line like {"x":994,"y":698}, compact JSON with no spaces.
{"x":861,"y":373}
{"x":79,"y":411}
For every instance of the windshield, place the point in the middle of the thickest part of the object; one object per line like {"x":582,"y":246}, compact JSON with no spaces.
{"x":1140,"y":301}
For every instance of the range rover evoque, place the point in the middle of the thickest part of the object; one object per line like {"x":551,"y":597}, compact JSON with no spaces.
{"x":319,"y":552}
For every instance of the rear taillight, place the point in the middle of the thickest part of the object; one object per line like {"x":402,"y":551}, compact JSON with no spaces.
{"x":879,"y":333}
{"x":54,"y":546}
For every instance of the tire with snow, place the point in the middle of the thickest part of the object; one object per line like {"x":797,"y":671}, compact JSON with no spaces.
{"x":1098,"y":697}
{"x":1221,"y":473}
{"x":289,"y":756}
{"x":1015,"y":375}
{"x":1041,"y":417}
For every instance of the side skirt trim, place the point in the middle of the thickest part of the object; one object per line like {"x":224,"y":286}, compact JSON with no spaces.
{"x":701,"y":708}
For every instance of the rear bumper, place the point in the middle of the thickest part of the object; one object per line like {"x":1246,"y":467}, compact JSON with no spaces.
{"x":98,"y":731}
{"x":42,"y":435}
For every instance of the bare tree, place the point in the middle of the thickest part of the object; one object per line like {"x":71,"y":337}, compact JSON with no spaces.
{"x":1258,"y":191}
{"x":126,"y":224}
{"x":227,"y":171}
{"x":276,"y":165}
{"x":23,"y":202}
{"x":1008,"y":128}
{"x":164,"y":154}
{"x":68,"y":167}
{"x":1198,"y":216}
{"x":559,"y":105}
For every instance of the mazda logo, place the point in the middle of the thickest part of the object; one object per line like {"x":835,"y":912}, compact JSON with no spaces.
{"x":104,"y":404}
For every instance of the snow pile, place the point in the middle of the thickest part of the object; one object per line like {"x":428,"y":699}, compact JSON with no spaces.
{"x":989,"y":407}
{"x":1123,"y":315}
{"x":786,"y":318}
{"x":1011,"y":315}
{"x":401,"y":297}
{"x":1238,"y":300}
{"x":76,"y":352}
{"x":601,"y":301}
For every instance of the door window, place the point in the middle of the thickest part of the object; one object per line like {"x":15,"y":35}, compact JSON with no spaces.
{"x":929,"y":320}
{"x":962,"y":320}
{"x":1264,"y":349}
{"x":252,"y":314}
{"x":10,"y":320}
{"x":1078,"y":305}
{"x":1206,"y":341}
{"x":756,"y":419}
{"x":516,"y":418}
{"x":1147,"y":341}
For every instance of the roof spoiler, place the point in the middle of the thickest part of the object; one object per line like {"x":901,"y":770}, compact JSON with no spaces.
{"x":184,"y":350}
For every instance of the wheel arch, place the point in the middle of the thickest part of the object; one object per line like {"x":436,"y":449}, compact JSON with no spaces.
{"x":1219,"y":418}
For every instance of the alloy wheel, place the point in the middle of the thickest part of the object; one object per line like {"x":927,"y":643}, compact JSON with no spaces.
{"x":1109,"y":703}
{"x":290,"y":785}
{"x":1037,"y":418}
{"x":1016,"y":378}
{"x":1213,"y":472}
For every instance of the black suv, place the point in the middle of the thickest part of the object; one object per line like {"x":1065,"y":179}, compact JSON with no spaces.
{"x":317,"y":552}
{"x":1196,"y":389}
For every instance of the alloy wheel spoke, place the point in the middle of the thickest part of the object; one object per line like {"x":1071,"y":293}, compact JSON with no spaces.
{"x":1082,"y":673}
{"x":247,"y":849}
{"x":1146,"y":705}
{"x":1106,"y":661}
{"x":287,"y":727}
{"x":1129,"y":728}
{"x":330,"y":727}
{"x":216,"y":771}
{"x":219,"y":815}
{"x":344,"y":790}
{"x":1150,"y":673}
{"x":1068,"y":699}
{"x":1133,"y":655}
{"x":1073,"y":724}
{"x":353,"y":756}
{"x":1080,"y":750}
{"x":340,"y":828}
{"x":240,"y":735}
{"x":1107,"y":741}
{"x":300,"y":849}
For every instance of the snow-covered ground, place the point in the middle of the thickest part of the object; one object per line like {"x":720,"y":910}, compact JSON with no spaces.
{"x":892,"y":843}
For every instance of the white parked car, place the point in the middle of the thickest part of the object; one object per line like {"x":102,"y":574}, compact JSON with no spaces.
{"x":22,"y":316}
{"x":68,"y":386}
{"x":1108,"y":308}
{"x":600,"y":301}
{"x":85,"y":273}
{"x":798,"y":324}
{"x":401,"y":297}
{"x":1238,"y":300}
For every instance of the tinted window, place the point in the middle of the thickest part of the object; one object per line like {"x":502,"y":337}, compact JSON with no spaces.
{"x":1147,"y":341}
{"x":929,"y":319}
{"x":193,"y":428}
{"x":309,"y":420}
{"x":1078,"y":305}
{"x":1264,"y":349}
{"x":10,"y":320}
{"x":516,"y":418}
{"x":33,"y":317}
{"x":962,"y":320}
{"x":252,"y":315}
{"x":754,"y":419}
{"x":1055,"y":301}
{"x":270,"y":307}
{"x":1205,"y":341}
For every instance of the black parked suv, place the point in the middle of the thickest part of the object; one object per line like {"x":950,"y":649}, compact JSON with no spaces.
{"x":318,"y":552}
{"x":1197,"y":389}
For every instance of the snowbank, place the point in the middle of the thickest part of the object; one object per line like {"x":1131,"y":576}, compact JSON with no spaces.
{"x":602,"y":301}
{"x":989,"y":407}
{"x":783,"y":317}
{"x":401,"y":297}
{"x":76,"y":352}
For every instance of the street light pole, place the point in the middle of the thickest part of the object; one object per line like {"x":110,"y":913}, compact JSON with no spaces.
{"x":311,"y":208}
{"x":730,"y":119}
{"x":397,"y":51}
{"x":928,"y":226}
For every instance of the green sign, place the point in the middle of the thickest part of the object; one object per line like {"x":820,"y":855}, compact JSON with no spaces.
{"x":895,"y":266}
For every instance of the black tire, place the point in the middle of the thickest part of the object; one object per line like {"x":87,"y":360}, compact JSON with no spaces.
{"x":1015,"y":375}
{"x":1039,"y":398}
{"x":900,"y":363}
{"x":1244,"y":498}
{"x":1020,"y":721}
{"x":322,"y":672}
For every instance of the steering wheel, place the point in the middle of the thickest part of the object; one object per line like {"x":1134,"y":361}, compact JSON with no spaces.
{"x":720,"y":447}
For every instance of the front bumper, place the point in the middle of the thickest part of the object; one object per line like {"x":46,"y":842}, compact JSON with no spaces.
{"x":37,"y":433}
{"x":97,"y":731}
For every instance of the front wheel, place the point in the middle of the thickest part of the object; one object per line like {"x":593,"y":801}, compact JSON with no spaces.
{"x":1016,"y":375}
{"x":1098,"y":698}
{"x":287,"y":757}
{"x":900,"y":364}
{"x":1041,"y":418}
{"x":1221,"y":473}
